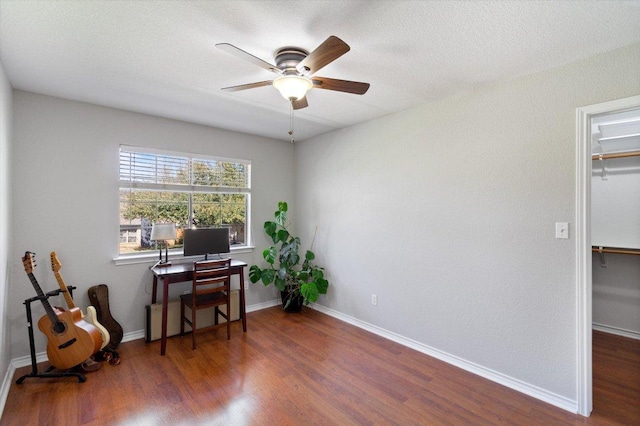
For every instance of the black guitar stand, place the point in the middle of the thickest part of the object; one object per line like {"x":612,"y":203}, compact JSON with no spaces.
{"x":34,"y":365}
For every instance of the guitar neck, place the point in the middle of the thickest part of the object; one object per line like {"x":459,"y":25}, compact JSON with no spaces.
{"x":43,"y":298}
{"x":63,"y":287}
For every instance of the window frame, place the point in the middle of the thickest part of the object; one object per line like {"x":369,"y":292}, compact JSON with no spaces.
{"x":184,"y":188}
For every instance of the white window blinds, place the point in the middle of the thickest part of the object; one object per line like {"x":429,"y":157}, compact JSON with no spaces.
{"x":149,"y":169}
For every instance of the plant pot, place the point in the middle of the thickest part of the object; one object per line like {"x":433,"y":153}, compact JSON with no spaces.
{"x":296,"y":302}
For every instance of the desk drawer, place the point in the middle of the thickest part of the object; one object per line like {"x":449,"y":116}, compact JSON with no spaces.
{"x":204,"y":317}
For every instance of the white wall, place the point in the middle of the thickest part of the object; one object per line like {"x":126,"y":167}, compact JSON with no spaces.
{"x":615,"y":204}
{"x":65,"y":199}
{"x":447,"y":213}
{"x":616,"y":294}
{"x":5,"y":203}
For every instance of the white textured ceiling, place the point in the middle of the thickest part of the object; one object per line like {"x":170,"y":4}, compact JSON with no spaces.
{"x":158,"y":57}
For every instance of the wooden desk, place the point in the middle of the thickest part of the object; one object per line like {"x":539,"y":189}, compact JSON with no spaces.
{"x":181,"y":272}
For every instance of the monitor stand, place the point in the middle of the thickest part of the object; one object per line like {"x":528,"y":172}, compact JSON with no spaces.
{"x":206,"y":257}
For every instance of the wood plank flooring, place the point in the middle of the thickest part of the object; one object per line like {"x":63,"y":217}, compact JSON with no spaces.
{"x":303,"y":369}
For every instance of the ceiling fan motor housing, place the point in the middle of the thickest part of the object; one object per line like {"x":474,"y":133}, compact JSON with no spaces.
{"x":287,"y":58}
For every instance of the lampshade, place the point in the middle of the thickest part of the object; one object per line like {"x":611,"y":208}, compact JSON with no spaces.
{"x":163,"y":231}
{"x":292,"y":87}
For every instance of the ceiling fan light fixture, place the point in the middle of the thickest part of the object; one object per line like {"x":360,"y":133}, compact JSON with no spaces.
{"x":292,"y":87}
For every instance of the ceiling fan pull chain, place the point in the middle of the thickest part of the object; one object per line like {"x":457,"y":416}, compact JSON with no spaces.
{"x":291,"y":121}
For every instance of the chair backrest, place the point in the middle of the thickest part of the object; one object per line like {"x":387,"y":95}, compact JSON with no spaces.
{"x":210,"y":276}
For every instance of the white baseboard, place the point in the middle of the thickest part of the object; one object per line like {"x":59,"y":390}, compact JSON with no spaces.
{"x":617,"y":331}
{"x":6,"y":385}
{"x":263,"y":305}
{"x":510,"y":382}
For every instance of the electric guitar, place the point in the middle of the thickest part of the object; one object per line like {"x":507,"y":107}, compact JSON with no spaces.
{"x":91,"y":316}
{"x":70,"y":339}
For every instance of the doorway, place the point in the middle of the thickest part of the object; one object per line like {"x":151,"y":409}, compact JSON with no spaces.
{"x":584,"y":290}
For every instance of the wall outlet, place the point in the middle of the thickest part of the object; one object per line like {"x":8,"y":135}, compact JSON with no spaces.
{"x":246,"y":285}
{"x":374,"y":299}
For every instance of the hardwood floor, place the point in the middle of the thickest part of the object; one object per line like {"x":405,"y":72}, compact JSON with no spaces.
{"x":616,"y":379}
{"x":308,"y":368}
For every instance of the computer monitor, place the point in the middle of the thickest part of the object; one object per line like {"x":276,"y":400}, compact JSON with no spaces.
{"x":206,"y":241}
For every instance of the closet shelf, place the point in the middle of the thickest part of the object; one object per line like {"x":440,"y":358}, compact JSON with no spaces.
{"x":614,"y":250}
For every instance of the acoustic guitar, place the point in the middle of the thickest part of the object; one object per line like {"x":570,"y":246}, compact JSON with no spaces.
{"x":70,"y":339}
{"x":92,"y":316}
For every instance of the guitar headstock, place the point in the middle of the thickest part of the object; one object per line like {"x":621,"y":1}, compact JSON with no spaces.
{"x":29,"y":261}
{"x":55,"y":263}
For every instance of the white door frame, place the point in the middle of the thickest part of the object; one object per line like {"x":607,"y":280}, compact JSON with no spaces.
{"x":584,"y":289}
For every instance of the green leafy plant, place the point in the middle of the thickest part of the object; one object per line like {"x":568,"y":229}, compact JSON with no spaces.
{"x":294,"y":276}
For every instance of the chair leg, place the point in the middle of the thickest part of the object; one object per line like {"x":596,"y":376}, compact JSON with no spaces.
{"x":228,"y":318}
{"x":181,"y":318}
{"x":193,"y":327}
{"x":216,"y":312}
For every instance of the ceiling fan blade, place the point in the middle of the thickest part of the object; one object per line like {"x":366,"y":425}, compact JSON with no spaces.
{"x":241,"y":54}
{"x":300,"y":103}
{"x":247,"y":86}
{"x":354,"y":87}
{"x":330,"y":50}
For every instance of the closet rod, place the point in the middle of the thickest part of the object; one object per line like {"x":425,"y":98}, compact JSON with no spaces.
{"x":615,"y":155}
{"x":615,"y":250}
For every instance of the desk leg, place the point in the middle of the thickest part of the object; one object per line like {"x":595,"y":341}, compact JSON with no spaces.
{"x":165,"y":305}
{"x":243,"y":310}
{"x":154,"y":290}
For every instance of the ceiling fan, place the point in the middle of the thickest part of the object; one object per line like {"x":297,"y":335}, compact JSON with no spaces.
{"x":295,"y":67}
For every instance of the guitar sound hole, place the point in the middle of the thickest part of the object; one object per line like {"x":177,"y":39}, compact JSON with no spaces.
{"x":59,"y":327}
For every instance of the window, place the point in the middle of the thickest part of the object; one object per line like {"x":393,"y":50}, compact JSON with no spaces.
{"x":185,"y":189}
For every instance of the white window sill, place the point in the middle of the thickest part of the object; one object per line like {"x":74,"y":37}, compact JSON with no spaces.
{"x":152,"y":257}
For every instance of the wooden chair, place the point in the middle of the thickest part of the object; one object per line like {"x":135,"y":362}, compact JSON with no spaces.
{"x":211,"y":288}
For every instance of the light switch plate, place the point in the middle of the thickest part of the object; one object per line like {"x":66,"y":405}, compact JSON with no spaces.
{"x":562,"y":230}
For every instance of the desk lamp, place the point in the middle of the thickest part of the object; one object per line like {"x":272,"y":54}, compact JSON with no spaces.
{"x":163,"y":232}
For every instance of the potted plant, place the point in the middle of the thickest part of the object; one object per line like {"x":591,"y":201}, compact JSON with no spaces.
{"x":298,"y":279}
